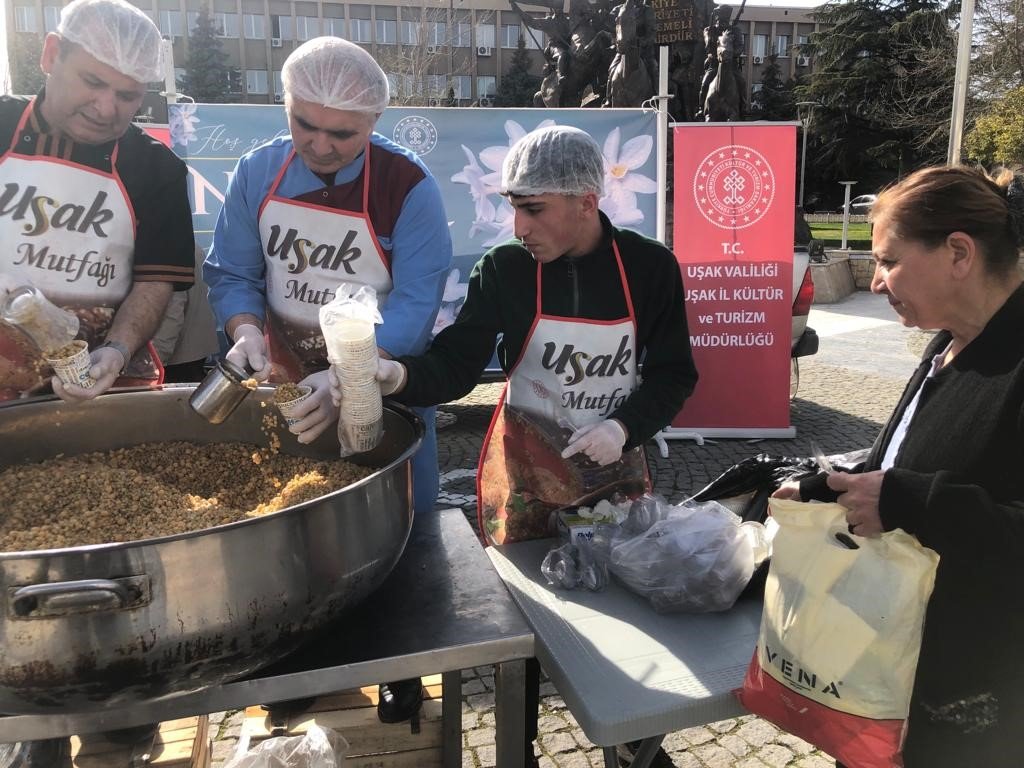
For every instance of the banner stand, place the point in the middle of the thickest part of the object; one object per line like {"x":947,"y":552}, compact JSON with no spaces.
{"x":698,"y":436}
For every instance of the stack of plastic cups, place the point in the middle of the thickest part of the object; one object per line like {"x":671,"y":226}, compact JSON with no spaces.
{"x":352,"y":351}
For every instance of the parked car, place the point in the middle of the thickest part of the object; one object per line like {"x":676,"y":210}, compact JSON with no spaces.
{"x":804,"y":339}
{"x":861,"y":204}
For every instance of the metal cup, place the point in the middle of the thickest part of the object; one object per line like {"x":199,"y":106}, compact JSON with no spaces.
{"x":220,"y":392}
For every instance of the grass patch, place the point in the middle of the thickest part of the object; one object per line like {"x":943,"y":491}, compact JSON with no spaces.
{"x":858,"y":234}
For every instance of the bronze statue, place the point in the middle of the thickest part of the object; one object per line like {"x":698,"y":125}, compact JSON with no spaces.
{"x":557,"y":54}
{"x":632,"y":72}
{"x":723,"y":88}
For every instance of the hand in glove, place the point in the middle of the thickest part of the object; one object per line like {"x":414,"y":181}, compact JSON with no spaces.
{"x":107,"y":364}
{"x":250,"y":349}
{"x":601,"y":442}
{"x":390,"y":375}
{"x":316,"y":413}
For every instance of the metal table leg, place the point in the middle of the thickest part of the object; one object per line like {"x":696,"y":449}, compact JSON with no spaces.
{"x":451,"y":719}
{"x":510,"y":713}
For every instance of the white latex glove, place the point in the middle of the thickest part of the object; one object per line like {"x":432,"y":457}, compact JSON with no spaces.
{"x":390,"y":375}
{"x":250,"y":349}
{"x":316,"y":413}
{"x":602,"y":442}
{"x":107,"y":363}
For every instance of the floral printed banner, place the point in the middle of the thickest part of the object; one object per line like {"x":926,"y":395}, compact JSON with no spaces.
{"x":463,"y":148}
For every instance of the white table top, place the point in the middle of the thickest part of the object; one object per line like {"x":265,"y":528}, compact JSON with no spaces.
{"x":625,"y":671}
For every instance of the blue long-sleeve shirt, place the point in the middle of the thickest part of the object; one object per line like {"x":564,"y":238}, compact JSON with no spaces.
{"x":407,"y":213}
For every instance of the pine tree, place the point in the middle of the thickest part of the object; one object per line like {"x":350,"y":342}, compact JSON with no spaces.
{"x":883,"y":75}
{"x":208,"y":79}
{"x":774,"y":101}
{"x":26,"y":77}
{"x":518,"y":85}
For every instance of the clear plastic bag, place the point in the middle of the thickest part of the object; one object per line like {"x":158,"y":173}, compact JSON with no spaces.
{"x":694,"y":558}
{"x":49,"y":326}
{"x":575,"y":565}
{"x":347,"y":323}
{"x":317,"y":748}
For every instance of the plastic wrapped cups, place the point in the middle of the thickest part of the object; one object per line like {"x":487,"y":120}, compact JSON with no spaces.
{"x":71,"y":363}
{"x":287,"y":396}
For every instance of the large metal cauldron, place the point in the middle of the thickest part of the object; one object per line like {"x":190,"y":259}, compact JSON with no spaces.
{"x":116,"y":623}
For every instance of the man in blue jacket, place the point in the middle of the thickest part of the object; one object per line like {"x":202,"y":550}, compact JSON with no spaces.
{"x":332,"y":203}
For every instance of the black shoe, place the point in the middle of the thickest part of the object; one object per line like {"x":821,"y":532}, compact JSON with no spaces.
{"x":399,"y":700}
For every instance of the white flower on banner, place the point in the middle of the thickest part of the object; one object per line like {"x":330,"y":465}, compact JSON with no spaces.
{"x":452,"y":301}
{"x":182,"y":121}
{"x":622,"y":182}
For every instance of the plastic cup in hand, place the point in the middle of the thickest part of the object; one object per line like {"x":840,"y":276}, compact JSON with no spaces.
{"x":71,"y":363}
{"x":287,"y":396}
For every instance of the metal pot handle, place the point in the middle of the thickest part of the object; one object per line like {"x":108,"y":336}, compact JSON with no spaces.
{"x":66,"y":597}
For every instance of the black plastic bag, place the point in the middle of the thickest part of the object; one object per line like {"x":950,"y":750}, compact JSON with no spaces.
{"x":754,"y":480}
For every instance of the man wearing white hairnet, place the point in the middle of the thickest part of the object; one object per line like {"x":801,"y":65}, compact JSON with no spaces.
{"x":577,"y":304}
{"x":332,"y":203}
{"x":93,"y":212}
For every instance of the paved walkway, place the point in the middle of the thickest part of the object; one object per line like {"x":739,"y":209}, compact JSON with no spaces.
{"x":846,"y":391}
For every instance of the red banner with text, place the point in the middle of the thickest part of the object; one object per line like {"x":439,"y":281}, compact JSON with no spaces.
{"x":734,"y":208}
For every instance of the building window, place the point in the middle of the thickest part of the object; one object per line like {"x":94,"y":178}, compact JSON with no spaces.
{"x":409,"y":32}
{"x":51,"y":18}
{"x":485,"y":35}
{"x":387,"y":31}
{"x":510,"y":35}
{"x":782,"y":46}
{"x":436,"y":86}
{"x":255,"y":81}
{"x":437,"y":33}
{"x":334,"y":27}
{"x":25,"y":19}
{"x":226,"y":24}
{"x":362,"y":30}
{"x":463,"y":87}
{"x":486,"y":86}
{"x":252,"y":27}
{"x":171,"y":24}
{"x":307,"y":27}
{"x":281,"y":27}
{"x":179,"y":77}
{"x":759,"y":46}
{"x":278,"y":85}
{"x":462,"y":34}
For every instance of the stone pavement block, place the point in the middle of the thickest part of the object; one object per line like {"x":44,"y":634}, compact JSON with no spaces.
{"x":548,"y":723}
{"x":559,"y":741}
{"x":486,"y":756}
{"x":815,"y":761}
{"x":750,"y":762}
{"x":714,"y":756}
{"x":734,"y":744}
{"x":697,"y":735}
{"x":686,"y":760}
{"x":795,"y":743}
{"x":758,"y":732}
{"x":480,"y":737}
{"x":476,"y":685}
{"x":481,"y":702}
{"x":776,"y":755}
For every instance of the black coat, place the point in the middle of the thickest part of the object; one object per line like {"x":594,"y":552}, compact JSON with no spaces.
{"x":958,"y":485}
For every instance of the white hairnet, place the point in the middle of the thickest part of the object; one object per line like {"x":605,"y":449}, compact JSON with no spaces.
{"x":117,"y":34}
{"x":337,"y":74}
{"x":558,"y":160}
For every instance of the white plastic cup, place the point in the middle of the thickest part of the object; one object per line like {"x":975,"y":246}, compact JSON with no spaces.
{"x":74,"y":369}
{"x":288,"y":406}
